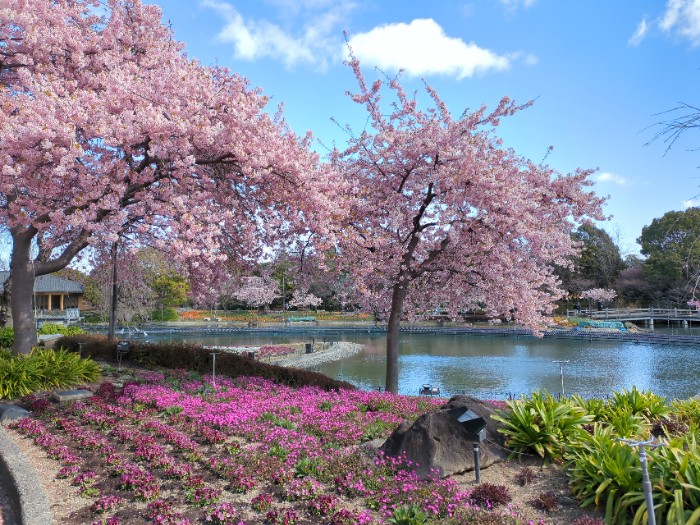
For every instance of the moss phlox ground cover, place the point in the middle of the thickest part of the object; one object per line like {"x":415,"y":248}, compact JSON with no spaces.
{"x":173,"y":449}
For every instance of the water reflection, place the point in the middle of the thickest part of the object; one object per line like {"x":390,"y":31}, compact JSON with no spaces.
{"x":498,"y":366}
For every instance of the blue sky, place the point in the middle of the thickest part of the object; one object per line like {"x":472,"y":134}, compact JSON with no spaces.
{"x":602,"y":73}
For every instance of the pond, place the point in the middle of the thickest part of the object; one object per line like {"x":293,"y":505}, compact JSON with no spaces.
{"x":495,"y":367}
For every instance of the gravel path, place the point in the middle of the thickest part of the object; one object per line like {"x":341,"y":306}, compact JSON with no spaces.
{"x":332,"y":352}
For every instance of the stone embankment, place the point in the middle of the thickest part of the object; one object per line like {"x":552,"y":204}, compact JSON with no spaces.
{"x":322,"y":353}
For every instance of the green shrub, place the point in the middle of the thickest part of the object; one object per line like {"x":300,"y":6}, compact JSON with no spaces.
{"x":164,"y":314}
{"x":687,"y":411}
{"x":198,"y":360}
{"x":624,"y":422}
{"x":679,"y":515}
{"x":605,"y":472}
{"x":675,"y":473}
{"x":52,"y":328}
{"x":646,"y":404}
{"x":7,"y":337}
{"x":93,"y":318}
{"x":44,"y":369}
{"x":18,"y":377}
{"x":594,"y":407}
{"x":541,"y":424}
{"x":64,"y":368}
{"x":408,"y":515}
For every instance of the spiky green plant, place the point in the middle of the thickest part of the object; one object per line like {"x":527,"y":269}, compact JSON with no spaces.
{"x":644,"y":403}
{"x":606,"y":473}
{"x":7,"y":337}
{"x":408,"y":515}
{"x":541,"y":423}
{"x":44,"y":369}
{"x":687,"y":411}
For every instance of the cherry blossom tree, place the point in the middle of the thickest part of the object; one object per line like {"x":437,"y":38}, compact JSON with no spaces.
{"x":599,"y":295}
{"x":258,"y":291}
{"x":301,"y":298}
{"x":106,"y":126}
{"x":441,"y":214}
{"x":134,"y":297}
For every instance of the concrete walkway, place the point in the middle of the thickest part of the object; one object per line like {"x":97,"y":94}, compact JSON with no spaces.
{"x":21,"y":483}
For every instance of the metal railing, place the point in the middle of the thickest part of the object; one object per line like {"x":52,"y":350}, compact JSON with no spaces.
{"x":637,"y":313}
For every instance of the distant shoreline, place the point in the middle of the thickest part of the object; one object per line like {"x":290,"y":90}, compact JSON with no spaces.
{"x":371,"y":328}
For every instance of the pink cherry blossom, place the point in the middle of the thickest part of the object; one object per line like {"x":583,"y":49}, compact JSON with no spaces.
{"x":441,"y":214}
{"x":599,"y":294}
{"x":108,"y":130}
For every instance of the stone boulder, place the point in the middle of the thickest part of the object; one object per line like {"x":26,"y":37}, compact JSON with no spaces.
{"x":437,"y":444}
{"x":10,"y":413}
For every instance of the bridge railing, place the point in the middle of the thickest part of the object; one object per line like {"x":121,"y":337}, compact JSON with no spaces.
{"x":637,"y":313}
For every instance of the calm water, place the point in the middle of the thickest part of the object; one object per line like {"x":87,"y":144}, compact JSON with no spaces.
{"x":498,"y":366}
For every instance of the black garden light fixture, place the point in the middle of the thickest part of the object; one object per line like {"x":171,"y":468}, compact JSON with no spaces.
{"x":475,"y":428}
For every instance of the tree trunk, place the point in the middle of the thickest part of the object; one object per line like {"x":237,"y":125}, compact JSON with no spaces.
{"x":22,"y":275}
{"x":115,"y":296}
{"x":392,"y":338}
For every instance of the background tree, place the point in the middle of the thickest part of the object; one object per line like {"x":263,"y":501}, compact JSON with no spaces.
{"x":597,"y":265}
{"x":441,"y":214}
{"x":170,"y":289}
{"x":684,"y":117}
{"x":169,"y":284}
{"x":302,"y":298}
{"x":257,"y":291}
{"x":632,"y":285}
{"x":599,"y":261}
{"x":135,"y":298}
{"x":598,"y":296}
{"x":671,"y":245}
{"x":108,"y":124}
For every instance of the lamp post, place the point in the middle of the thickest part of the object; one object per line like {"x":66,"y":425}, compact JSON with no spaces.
{"x":561,"y":373}
{"x":213,"y":369}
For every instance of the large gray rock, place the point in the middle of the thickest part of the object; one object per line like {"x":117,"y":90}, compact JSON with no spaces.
{"x":437,"y":444}
{"x":71,"y":395}
{"x":9,"y":413}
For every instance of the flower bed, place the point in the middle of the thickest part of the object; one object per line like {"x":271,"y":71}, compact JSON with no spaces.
{"x":171,"y":449}
{"x":269,"y":352}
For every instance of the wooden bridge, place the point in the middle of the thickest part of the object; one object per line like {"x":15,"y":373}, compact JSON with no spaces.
{"x":637,"y":315}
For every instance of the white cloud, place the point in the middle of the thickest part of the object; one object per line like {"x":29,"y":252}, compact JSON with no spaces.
{"x":682,"y":17}
{"x":423,"y":48}
{"x":531,"y":60}
{"x":691,"y":203}
{"x":315,"y":43}
{"x":639,"y":33}
{"x":514,"y":4}
{"x":611,"y":178}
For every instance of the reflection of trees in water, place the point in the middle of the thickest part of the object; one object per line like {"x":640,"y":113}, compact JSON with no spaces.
{"x":493,"y":367}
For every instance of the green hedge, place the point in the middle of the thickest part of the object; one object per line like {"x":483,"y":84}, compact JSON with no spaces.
{"x":7,"y":334}
{"x":198,"y":359}
{"x":52,"y":328}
